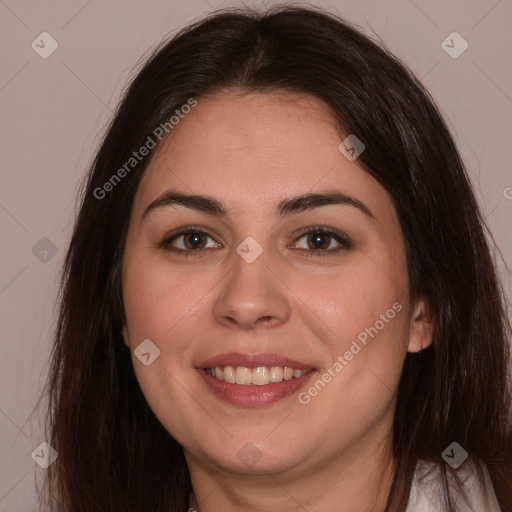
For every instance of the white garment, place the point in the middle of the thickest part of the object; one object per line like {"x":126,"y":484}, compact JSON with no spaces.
{"x":426,"y":496}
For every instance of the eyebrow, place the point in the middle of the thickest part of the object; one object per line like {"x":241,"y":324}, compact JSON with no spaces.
{"x":289,"y":206}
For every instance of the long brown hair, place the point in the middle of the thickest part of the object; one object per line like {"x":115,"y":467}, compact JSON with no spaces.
{"x":113,"y":453}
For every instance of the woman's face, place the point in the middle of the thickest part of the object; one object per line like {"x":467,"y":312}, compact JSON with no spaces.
{"x":264,"y":288}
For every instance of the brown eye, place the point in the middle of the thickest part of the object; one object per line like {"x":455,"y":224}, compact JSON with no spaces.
{"x":194,"y":240}
{"x":321,"y":242}
{"x":188,"y":240}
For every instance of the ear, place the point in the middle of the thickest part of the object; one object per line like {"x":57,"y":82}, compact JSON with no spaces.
{"x":125,"y":336}
{"x":421,"y":327}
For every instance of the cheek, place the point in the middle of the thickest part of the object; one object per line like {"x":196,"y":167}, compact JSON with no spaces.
{"x":365,"y":310}
{"x":164,"y":306}
{"x":354,"y":300}
{"x":366,"y":314}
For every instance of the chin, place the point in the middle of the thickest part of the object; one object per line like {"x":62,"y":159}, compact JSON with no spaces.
{"x":255,"y":458}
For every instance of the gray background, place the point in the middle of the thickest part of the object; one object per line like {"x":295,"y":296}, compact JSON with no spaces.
{"x":54,"y":112}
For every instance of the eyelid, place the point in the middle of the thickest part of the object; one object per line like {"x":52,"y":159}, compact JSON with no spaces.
{"x":342,"y":239}
{"x":321,"y":228}
{"x":165,"y":244}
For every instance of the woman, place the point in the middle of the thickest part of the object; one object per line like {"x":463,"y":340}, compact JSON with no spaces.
{"x":278,"y":294}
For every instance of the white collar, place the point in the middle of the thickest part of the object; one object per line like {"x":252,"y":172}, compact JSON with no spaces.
{"x":426,"y":494}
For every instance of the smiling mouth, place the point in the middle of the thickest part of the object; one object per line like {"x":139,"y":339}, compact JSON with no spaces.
{"x":258,"y":376}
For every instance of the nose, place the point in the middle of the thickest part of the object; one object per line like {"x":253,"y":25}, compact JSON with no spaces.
{"x":253,"y":295}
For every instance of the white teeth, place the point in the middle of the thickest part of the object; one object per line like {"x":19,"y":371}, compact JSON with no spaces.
{"x":229,"y":374}
{"x":288,"y":373}
{"x":243,"y":375}
{"x":258,"y":376}
{"x":276,"y":374}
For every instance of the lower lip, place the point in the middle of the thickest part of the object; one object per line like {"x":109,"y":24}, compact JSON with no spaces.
{"x":253,"y":395}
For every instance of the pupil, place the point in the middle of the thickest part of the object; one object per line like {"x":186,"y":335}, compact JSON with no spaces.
{"x":319,"y":240}
{"x":195,"y":239}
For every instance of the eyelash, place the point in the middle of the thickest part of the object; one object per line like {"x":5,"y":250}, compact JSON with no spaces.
{"x":343,"y":241}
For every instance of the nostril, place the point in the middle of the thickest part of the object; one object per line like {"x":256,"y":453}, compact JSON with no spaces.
{"x":265,"y":320}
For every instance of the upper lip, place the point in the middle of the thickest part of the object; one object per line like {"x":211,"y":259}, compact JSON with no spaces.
{"x":253,"y":360}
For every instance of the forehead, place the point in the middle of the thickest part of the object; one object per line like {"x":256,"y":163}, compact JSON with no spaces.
{"x":258,"y":147}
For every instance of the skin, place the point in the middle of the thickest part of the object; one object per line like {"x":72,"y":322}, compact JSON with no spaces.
{"x":252,"y":150}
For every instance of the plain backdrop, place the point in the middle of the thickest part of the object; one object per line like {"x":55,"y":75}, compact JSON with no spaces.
{"x":54,"y":111}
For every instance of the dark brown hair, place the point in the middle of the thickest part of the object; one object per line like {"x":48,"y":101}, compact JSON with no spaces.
{"x":114,"y":455}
